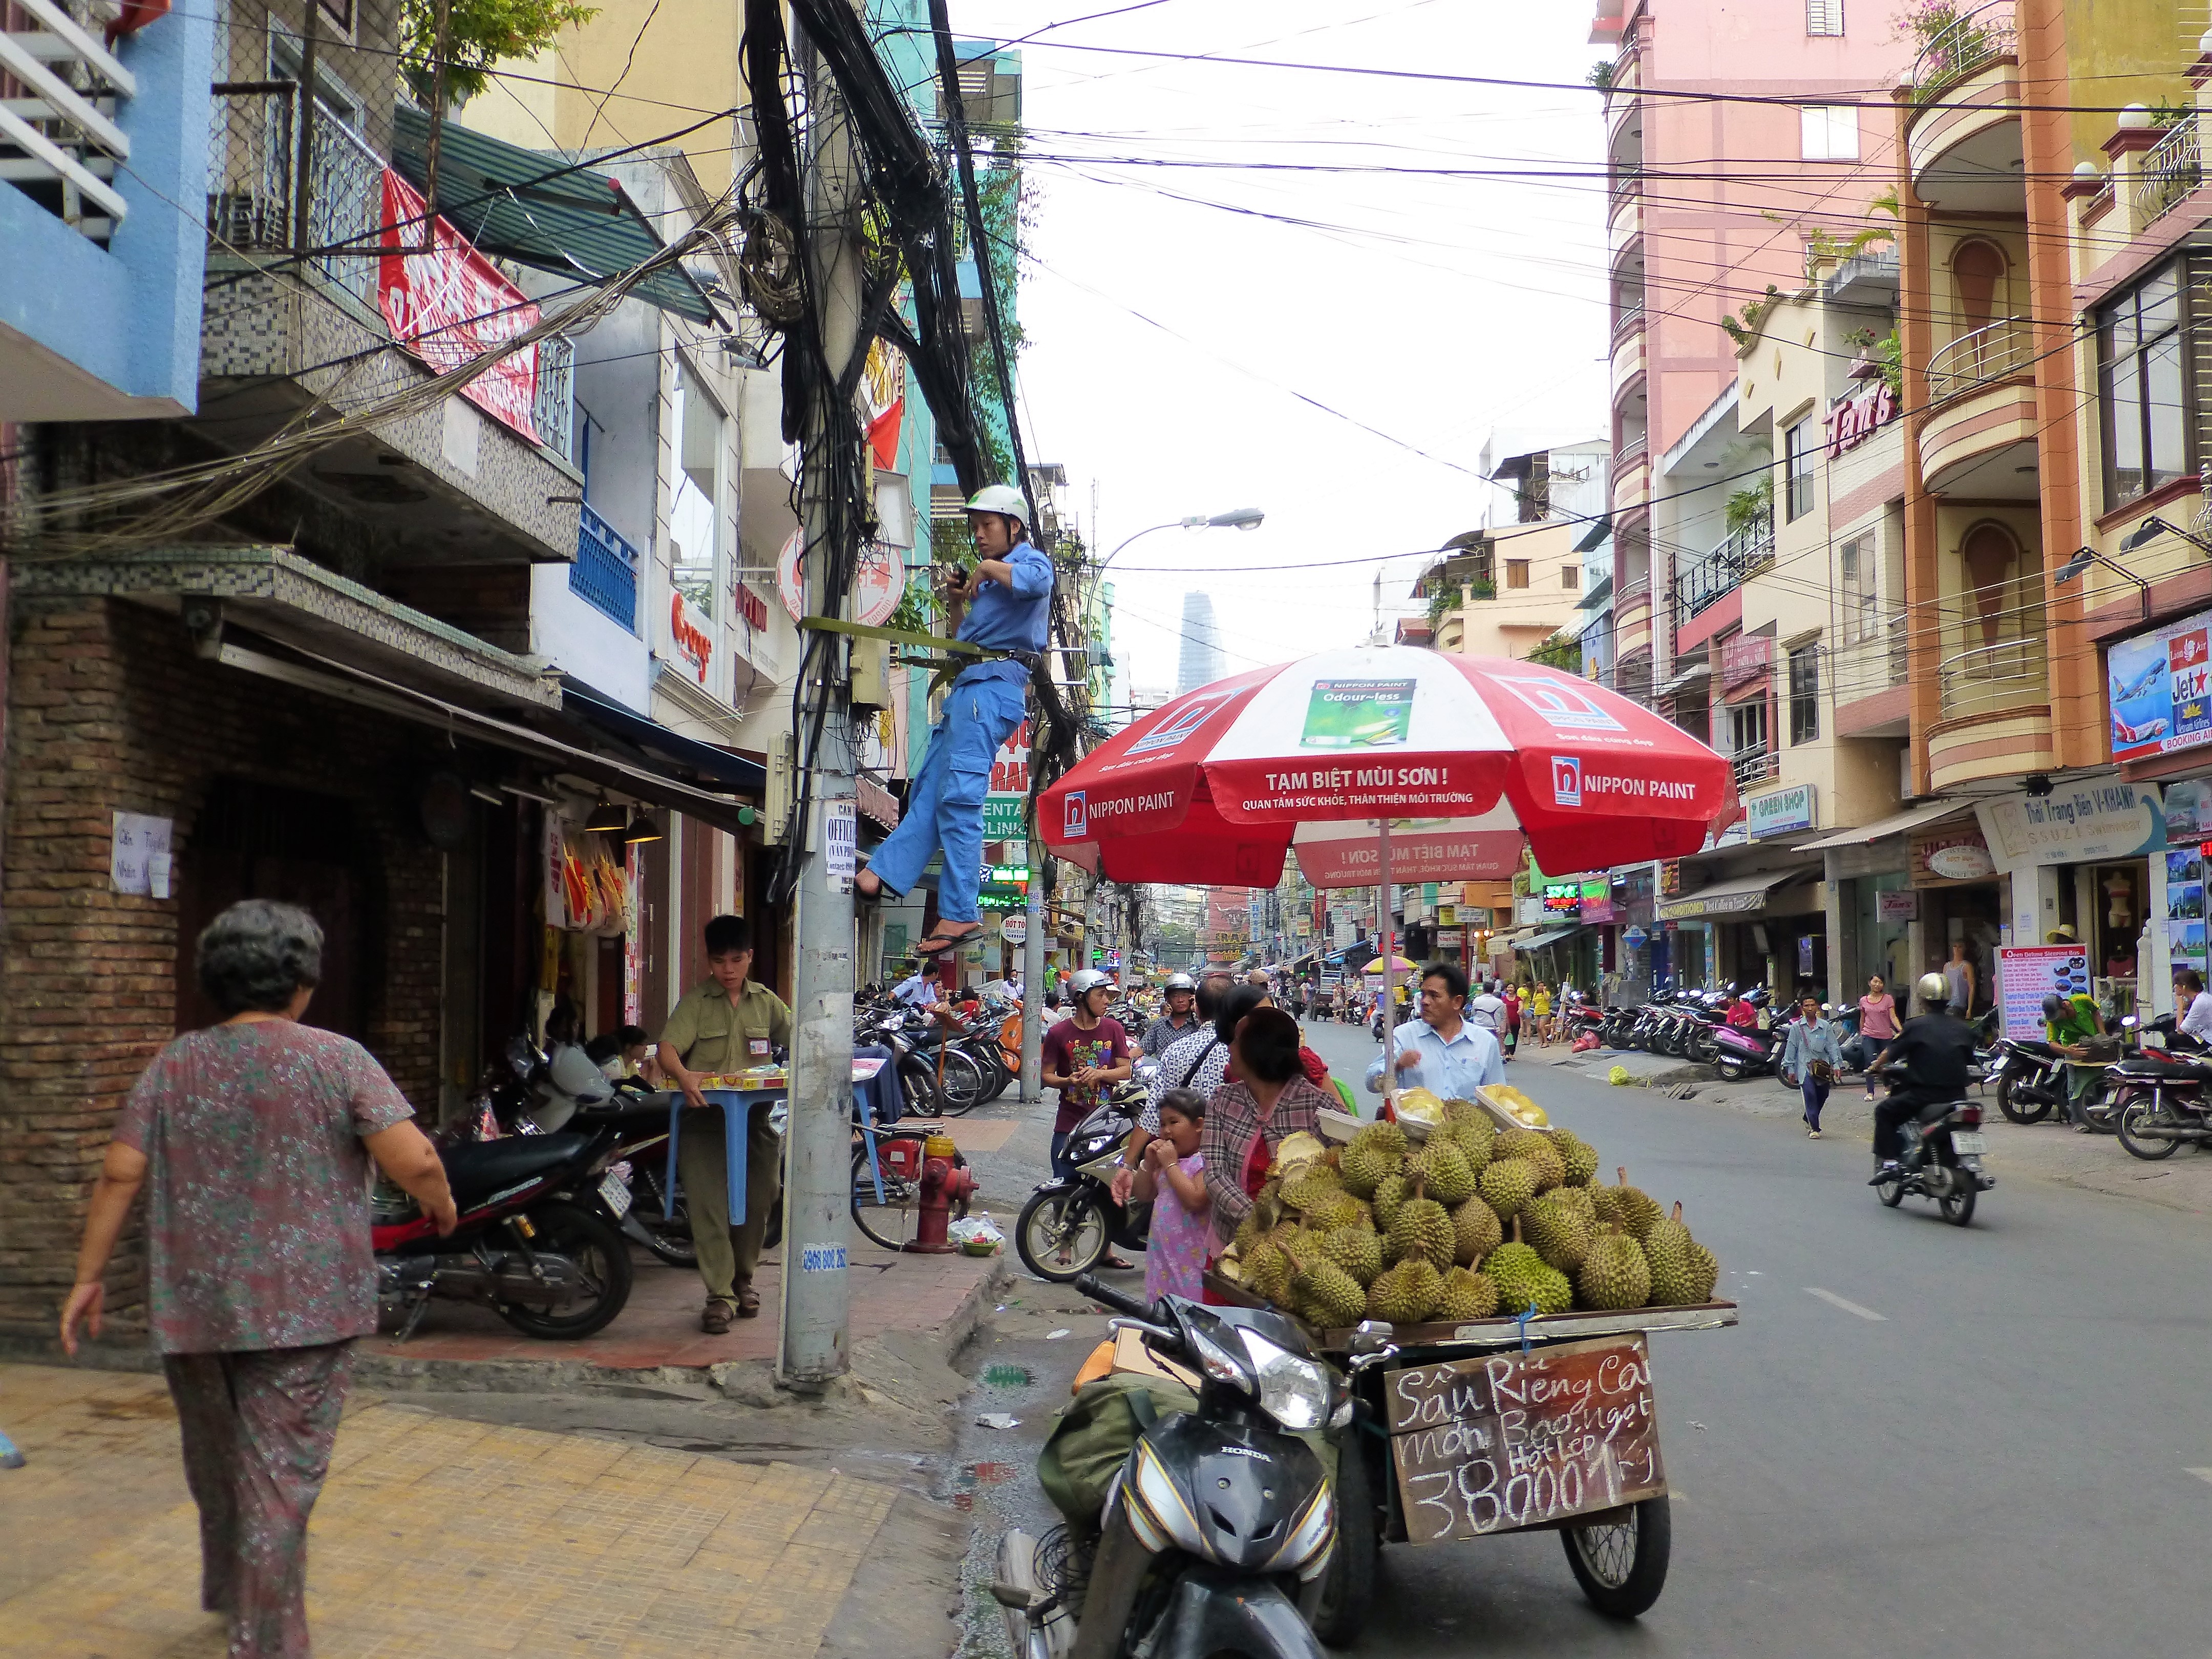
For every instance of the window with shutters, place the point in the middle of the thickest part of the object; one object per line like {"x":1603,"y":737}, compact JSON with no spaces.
{"x":1824,"y":16}
{"x":1829,"y":132}
{"x":1517,"y":573}
{"x":1571,"y":575}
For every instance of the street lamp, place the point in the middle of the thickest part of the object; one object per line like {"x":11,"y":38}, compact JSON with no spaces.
{"x":1238,"y":518}
{"x":2085,"y":556}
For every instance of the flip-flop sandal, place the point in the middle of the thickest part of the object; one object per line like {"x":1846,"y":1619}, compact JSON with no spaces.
{"x":1117,"y":1262}
{"x":938,"y":944}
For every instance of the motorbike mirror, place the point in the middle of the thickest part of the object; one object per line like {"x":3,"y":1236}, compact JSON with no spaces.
{"x":1370,"y":1336}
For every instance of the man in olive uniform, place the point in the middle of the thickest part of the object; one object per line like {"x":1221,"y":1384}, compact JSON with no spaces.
{"x":726,"y":1024}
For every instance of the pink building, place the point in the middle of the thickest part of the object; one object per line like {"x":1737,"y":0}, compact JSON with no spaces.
{"x":1714,"y":194}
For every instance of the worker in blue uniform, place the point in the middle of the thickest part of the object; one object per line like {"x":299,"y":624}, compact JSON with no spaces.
{"x":1008,"y":599}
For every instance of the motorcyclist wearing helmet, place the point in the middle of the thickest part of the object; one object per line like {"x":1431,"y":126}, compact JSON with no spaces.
{"x":1180,"y":1016}
{"x":1008,"y":600}
{"x":1937,"y":1050}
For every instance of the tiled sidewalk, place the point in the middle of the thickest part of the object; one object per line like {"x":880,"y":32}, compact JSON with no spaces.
{"x":434,"y":1535}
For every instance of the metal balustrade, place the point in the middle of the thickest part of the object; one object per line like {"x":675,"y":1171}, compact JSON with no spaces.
{"x":1706,"y":581}
{"x":606,"y":574}
{"x":1989,"y":354}
{"x":2171,"y":167}
{"x":1968,"y":43}
{"x":2011,"y":674}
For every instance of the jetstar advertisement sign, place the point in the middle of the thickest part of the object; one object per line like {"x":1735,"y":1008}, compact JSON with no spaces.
{"x":450,"y":305}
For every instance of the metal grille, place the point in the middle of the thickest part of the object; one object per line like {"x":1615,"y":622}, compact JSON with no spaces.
{"x":2174,"y":166}
{"x":1988,"y":354}
{"x":1969,"y":42}
{"x":555,"y":412}
{"x":605,"y":572}
{"x":1721,"y":572}
{"x":251,"y":195}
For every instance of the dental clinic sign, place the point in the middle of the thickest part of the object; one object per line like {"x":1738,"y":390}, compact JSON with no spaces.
{"x":2097,"y":818}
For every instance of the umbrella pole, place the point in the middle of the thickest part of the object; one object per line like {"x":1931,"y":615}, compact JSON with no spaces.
{"x":1390,"y":971}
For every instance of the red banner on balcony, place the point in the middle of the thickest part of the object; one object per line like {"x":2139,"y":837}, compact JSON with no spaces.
{"x":450,"y":307}
{"x":1744,"y":658}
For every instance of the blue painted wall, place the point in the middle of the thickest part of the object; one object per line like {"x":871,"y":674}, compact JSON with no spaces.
{"x":128,"y":314}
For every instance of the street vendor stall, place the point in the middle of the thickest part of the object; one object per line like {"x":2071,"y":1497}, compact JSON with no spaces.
{"x":1531,"y":1406}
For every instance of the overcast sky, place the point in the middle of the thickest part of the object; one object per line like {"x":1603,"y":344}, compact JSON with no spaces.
{"x":1431,"y":309}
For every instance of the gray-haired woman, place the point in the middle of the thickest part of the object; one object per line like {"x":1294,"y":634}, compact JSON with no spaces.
{"x":252,"y":1139}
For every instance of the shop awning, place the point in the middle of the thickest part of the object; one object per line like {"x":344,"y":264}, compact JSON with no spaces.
{"x":1696,"y":671}
{"x":1730,"y":898}
{"x":538,"y":209}
{"x":708,"y":766}
{"x":1544,"y":939}
{"x":1911,"y":818}
{"x":341,"y":680}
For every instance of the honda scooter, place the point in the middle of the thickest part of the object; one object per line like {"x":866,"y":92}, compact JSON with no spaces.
{"x":1219,"y":1528}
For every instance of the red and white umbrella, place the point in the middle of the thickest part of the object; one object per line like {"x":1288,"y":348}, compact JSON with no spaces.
{"x":1386,"y":764}
{"x":1383,"y":763}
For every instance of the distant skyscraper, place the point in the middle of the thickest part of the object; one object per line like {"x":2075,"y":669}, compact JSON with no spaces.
{"x":1200,"y":663}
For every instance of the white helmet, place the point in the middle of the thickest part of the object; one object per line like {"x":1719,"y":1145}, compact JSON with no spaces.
{"x":1001,"y":498}
{"x":1181,"y":983}
{"x":1087,"y":979}
{"x":1933,"y":988}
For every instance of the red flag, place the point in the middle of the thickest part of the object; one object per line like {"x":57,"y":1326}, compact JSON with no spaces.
{"x":884,"y":434}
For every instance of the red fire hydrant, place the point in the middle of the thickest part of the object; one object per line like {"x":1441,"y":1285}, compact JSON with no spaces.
{"x":943,"y":1183}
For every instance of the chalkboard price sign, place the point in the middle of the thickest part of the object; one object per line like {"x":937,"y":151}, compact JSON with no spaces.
{"x":1517,"y":1440}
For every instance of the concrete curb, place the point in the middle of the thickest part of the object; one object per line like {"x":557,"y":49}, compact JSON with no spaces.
{"x":397,"y":1374}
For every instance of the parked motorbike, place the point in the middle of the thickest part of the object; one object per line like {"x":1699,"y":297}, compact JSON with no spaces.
{"x":1742,"y":1051}
{"x":1072,"y":1222}
{"x":532,"y":1244}
{"x":1221,"y":1525}
{"x":2158,"y":1095}
{"x":1942,"y":1159}
{"x":2029,"y":1083}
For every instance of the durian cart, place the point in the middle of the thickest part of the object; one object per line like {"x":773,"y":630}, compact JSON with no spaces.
{"x":1473,"y":1427}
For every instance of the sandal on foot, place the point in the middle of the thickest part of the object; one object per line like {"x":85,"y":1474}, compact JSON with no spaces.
{"x":938,"y":944}
{"x":714,"y":1319}
{"x":748,"y":1302}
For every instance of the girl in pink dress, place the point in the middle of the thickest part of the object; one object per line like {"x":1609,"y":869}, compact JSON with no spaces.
{"x":1173,"y":1179}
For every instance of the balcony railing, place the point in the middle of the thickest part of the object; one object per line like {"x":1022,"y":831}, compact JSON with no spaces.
{"x":606,"y":571}
{"x":1755,"y":766}
{"x":1965,"y":45}
{"x":59,"y":144}
{"x":1989,"y":353}
{"x":2174,"y":167}
{"x":1712,"y":579}
{"x":253,"y":196}
{"x":554,"y":414}
{"x":2009,"y":675}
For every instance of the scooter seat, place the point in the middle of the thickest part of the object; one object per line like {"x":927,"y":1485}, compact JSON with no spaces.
{"x":2041,"y":1050}
{"x":2165,"y":1071}
{"x":489,"y":1166}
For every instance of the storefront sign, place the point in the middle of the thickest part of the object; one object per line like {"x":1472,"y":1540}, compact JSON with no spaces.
{"x":1901,"y":904}
{"x":2028,"y":973}
{"x":1528,"y":910}
{"x":1014,"y":927}
{"x":1779,"y":812}
{"x":2188,"y":810}
{"x":1670,"y":878}
{"x":2158,"y":686}
{"x":878,"y":580}
{"x":1563,"y":898}
{"x":1634,"y":938}
{"x":1943,"y":858}
{"x":687,"y":632}
{"x":1853,"y":420}
{"x":1596,"y":903}
{"x":139,"y":854}
{"x":1745,"y":657}
{"x":2185,"y":906}
{"x":2076,"y":824}
{"x":450,"y":307}
{"x":1005,"y":817}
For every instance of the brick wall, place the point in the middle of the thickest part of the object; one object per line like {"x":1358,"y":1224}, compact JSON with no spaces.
{"x":110,"y":711}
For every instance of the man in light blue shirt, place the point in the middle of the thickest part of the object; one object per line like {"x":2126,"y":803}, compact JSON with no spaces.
{"x":1008,"y":597}
{"x":1440,"y":1051}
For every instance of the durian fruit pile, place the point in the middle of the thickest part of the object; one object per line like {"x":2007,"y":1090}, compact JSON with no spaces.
{"x":1472,"y":1224}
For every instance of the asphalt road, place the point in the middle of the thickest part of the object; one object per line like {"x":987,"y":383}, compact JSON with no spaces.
{"x":1920,"y":1440}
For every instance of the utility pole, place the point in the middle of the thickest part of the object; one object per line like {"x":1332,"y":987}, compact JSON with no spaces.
{"x":818,"y":1189}
{"x":1033,"y":982}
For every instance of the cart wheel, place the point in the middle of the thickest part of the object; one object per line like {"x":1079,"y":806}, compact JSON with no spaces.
{"x":1622,"y":1567}
{"x":1348,"y":1592}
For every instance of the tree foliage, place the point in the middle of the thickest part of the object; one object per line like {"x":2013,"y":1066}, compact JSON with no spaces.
{"x":479,"y":35}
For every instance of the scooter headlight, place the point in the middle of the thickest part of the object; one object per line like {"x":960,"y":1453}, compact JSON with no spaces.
{"x":1293,"y":1391}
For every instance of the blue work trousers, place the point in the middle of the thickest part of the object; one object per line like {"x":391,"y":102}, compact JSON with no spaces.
{"x":944,"y":801}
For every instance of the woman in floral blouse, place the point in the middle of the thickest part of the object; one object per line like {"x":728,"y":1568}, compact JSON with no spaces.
{"x":253,"y":1141}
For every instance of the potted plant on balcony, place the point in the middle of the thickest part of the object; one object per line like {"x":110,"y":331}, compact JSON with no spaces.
{"x":1751,"y":506}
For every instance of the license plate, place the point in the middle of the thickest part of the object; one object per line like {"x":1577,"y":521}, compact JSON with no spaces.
{"x":1968,"y":1140}
{"x":616,"y":1195}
